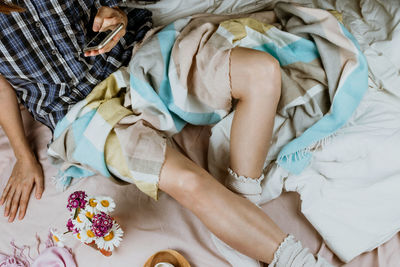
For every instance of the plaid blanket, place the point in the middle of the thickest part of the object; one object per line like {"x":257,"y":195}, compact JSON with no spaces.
{"x":324,"y":77}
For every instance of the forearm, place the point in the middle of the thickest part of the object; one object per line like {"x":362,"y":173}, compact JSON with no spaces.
{"x":11,"y":121}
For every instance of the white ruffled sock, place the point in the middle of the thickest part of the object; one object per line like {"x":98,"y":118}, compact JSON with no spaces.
{"x":292,"y":254}
{"x":248,"y":187}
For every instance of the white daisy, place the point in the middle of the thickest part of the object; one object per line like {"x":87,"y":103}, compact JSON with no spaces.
{"x":81,"y":221}
{"x":57,"y":237}
{"x":92,"y":205}
{"x":112,"y":239}
{"x":105,"y":204}
{"x":87,"y":235}
{"x":78,"y":236}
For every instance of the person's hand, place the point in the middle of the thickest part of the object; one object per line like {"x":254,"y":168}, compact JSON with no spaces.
{"x":26,"y":174}
{"x":108,"y":18}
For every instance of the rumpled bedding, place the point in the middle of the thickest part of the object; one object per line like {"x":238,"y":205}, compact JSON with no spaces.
{"x":350,"y":191}
{"x":88,"y":141}
{"x":324,"y":78}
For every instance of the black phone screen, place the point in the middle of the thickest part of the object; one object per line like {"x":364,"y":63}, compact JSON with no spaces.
{"x":98,"y":38}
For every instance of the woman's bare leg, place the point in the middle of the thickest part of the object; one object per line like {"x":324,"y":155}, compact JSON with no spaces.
{"x":233,"y":219}
{"x":256,"y":83}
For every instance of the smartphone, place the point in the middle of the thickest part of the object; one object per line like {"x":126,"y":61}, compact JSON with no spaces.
{"x":102,"y":39}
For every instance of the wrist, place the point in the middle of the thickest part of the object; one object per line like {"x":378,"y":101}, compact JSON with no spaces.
{"x":25,"y":155}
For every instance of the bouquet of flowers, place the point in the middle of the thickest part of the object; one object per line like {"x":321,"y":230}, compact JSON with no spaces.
{"x":91,"y":223}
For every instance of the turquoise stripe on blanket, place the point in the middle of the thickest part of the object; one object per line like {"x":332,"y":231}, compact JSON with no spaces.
{"x":85,"y":152}
{"x":295,"y":157}
{"x":61,"y":127}
{"x":147,"y":93}
{"x":302,"y":50}
{"x":64,"y":178}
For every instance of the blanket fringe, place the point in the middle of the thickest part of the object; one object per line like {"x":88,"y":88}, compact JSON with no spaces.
{"x":61,"y":181}
{"x":304,"y":154}
{"x":20,"y":258}
{"x":320,"y":144}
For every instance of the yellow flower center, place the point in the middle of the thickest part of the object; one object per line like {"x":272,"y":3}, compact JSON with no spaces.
{"x":105,"y":203}
{"x":92,"y":202}
{"x":56,"y":238}
{"x":109,"y":237}
{"x":89,"y":215}
{"x":78,"y":219}
{"x":78,"y":235}
{"x":90,"y":233}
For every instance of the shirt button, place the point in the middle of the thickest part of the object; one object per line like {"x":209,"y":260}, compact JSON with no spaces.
{"x":54,"y":52}
{"x":38,"y":24}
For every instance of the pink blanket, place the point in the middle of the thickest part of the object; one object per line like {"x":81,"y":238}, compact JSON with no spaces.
{"x":151,"y":226}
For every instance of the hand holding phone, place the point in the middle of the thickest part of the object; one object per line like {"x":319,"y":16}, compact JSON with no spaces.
{"x":102,"y":39}
{"x":107,"y":18}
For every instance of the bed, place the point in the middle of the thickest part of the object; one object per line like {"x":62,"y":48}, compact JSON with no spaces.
{"x":151,"y":226}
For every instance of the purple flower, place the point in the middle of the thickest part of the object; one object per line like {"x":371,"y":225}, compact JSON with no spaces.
{"x":70,"y":225}
{"x":101,"y":224}
{"x":77,"y":200}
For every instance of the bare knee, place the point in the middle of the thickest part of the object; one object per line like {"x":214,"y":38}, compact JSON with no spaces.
{"x":192,"y":187}
{"x":266,"y":81}
{"x":183,"y":179}
{"x":255,"y":75}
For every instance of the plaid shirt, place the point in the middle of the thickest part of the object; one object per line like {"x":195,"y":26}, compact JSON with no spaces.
{"x":40,"y":53}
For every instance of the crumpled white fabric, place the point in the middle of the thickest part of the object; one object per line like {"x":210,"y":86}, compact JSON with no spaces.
{"x":350,"y":192}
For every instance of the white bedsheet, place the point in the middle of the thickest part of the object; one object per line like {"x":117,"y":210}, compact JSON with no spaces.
{"x":350,"y":191}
